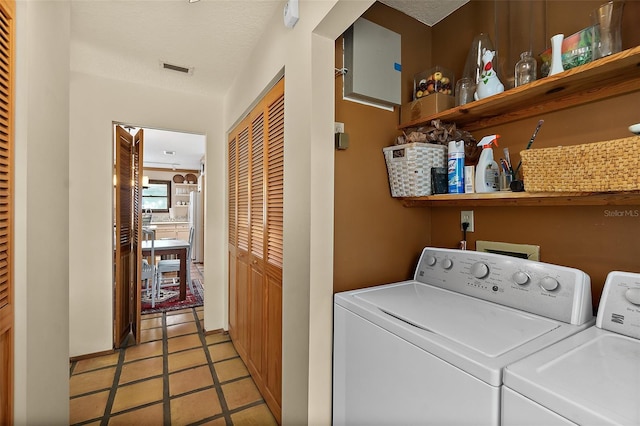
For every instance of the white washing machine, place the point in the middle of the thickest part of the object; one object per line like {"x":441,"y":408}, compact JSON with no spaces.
{"x":591,"y":378}
{"x":432,"y":350}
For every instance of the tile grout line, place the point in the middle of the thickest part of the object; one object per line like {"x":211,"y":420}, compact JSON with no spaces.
{"x":114,"y":388}
{"x":216,"y":381}
{"x":247,"y":406}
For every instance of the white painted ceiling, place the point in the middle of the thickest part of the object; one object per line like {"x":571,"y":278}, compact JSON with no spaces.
{"x":127,"y":40}
{"x":158,"y":145}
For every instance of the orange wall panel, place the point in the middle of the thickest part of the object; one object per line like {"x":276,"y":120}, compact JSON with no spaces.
{"x":376,"y":239}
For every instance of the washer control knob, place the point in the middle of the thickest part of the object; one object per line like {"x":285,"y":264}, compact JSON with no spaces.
{"x":521,"y":278}
{"x":633,"y":295}
{"x":447,"y":263}
{"x":549,"y":283}
{"x":480,"y":270}
{"x":430,"y":259}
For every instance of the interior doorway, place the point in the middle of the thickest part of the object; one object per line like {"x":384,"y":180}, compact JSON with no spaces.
{"x":171,"y":191}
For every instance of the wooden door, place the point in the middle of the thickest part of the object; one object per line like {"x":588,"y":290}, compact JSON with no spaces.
{"x":256,"y":172}
{"x":7,"y":10}
{"x":242,"y":256}
{"x":136,"y":289}
{"x":256,"y":288}
{"x":274,"y":241}
{"x":239,"y":231}
{"x":128,"y":234}
{"x":232,"y":186}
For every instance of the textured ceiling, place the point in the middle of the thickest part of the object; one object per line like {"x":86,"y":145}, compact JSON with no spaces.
{"x":429,"y":12}
{"x":126,"y":40}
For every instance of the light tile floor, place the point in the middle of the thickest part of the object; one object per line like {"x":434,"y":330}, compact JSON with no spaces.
{"x":176,"y":376}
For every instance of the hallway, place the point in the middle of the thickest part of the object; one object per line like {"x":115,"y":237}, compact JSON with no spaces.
{"x":176,"y":376}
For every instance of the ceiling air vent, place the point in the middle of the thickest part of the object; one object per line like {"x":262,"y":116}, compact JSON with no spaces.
{"x":178,"y":68}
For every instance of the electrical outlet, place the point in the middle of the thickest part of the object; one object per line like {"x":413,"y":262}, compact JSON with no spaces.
{"x":467,"y":216}
{"x":338,"y":127}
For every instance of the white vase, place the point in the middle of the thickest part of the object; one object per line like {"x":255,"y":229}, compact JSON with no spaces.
{"x":556,"y":54}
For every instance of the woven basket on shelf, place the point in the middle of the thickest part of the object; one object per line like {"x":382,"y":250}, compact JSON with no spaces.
{"x":594,"y":167}
{"x":409,"y":167}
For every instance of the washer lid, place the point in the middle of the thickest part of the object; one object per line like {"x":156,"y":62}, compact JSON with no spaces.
{"x":592,"y":377}
{"x":487,"y":328}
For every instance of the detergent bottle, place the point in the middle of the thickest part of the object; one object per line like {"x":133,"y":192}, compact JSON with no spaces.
{"x":487,"y":170}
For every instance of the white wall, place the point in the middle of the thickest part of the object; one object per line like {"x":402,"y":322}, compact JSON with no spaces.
{"x":95,"y":104}
{"x":41,"y":244}
{"x":306,"y":54}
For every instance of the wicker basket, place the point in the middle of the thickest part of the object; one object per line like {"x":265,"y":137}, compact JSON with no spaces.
{"x":594,"y":167}
{"x":409,"y":167}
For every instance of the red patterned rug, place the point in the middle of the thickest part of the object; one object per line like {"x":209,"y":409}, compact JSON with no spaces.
{"x":172,"y":303}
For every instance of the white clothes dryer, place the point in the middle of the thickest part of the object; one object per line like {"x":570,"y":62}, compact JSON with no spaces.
{"x":432,"y":350}
{"x":590,"y":378}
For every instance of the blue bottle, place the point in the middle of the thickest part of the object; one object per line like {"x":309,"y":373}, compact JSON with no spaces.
{"x":455,"y":167}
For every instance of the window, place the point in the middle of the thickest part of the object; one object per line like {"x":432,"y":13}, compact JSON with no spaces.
{"x":157,"y":196}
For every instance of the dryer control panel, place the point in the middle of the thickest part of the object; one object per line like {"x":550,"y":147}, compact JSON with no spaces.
{"x":619,"y":309}
{"x":545,"y":289}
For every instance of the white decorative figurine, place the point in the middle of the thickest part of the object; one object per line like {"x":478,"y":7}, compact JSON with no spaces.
{"x":489,"y":84}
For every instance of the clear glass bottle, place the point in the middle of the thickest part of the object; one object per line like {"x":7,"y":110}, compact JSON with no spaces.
{"x":526,"y":68}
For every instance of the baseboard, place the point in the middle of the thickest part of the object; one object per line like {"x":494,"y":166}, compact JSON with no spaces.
{"x":217,"y":331}
{"x":92,"y":355}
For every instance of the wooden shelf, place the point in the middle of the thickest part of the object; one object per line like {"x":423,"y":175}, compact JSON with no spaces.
{"x":507,"y":198}
{"x":606,"y":77}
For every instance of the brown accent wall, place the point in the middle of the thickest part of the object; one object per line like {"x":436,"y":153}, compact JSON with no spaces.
{"x":378,"y":241}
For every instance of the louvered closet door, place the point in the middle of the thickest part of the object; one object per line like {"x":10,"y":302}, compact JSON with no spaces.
{"x":7,"y":31}
{"x":239,"y":247}
{"x":256,"y":172}
{"x":242,"y":271}
{"x":256,"y":281}
{"x":232,"y":210}
{"x":274,"y":242}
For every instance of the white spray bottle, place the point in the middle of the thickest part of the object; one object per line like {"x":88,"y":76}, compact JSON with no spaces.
{"x":487,"y":170}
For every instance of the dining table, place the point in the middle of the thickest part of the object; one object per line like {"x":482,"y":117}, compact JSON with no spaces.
{"x":170,"y":247}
